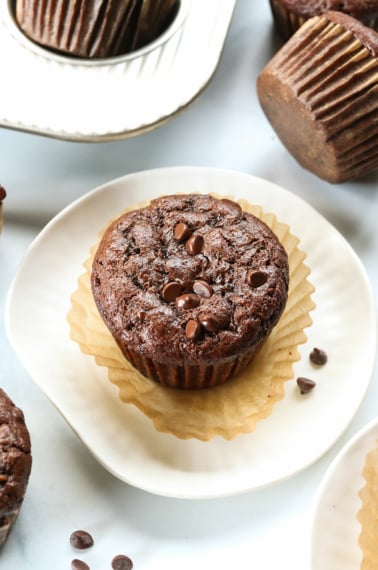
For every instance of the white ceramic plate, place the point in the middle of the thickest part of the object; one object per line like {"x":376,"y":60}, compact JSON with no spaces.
{"x":119,"y":435}
{"x":93,"y":100}
{"x":335,"y":527}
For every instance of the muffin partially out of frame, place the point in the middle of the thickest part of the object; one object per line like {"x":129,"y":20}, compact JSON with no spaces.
{"x":225,"y":410}
{"x":320,"y":94}
{"x":15,"y":463}
{"x":2,"y":196}
{"x":289,"y":15}
{"x":95,"y":28}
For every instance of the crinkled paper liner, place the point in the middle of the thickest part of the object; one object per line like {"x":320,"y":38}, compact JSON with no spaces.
{"x":226,"y":410}
{"x":368,"y":513}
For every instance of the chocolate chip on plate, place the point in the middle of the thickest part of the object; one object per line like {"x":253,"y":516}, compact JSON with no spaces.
{"x":81,"y":539}
{"x":79,"y":565}
{"x":122,"y":562}
{"x":318,"y":356}
{"x":305,"y":385}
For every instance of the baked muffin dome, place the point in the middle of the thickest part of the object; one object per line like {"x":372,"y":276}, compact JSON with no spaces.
{"x":320,"y":94}
{"x":15,"y":463}
{"x":289,"y":15}
{"x":189,"y":287}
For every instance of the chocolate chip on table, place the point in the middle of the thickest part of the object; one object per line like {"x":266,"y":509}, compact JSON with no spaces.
{"x":187,"y":301}
{"x":202,"y":288}
{"x":81,"y":539}
{"x":305,"y":385}
{"x":192,"y":329}
{"x":171,"y":291}
{"x":256,"y":278}
{"x":182,"y":232}
{"x":122,"y":562}
{"x":79,"y":565}
{"x":210,"y":323}
{"x":194,"y":244}
{"x":318,"y":356}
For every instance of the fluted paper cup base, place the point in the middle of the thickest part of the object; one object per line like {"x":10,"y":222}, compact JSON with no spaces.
{"x":229,"y":408}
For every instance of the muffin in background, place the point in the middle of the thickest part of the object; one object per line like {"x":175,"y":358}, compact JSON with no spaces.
{"x":95,"y":28}
{"x":320,"y":94}
{"x":289,"y":15}
{"x":190,"y":287}
{"x":367,"y":516}
{"x":15,"y":463}
{"x":2,"y":196}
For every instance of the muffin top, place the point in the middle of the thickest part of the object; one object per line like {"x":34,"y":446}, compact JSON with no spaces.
{"x":190,"y":278}
{"x":308,"y":8}
{"x":15,"y":458}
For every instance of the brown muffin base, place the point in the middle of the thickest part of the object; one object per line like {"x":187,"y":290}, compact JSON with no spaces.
{"x":320,"y":94}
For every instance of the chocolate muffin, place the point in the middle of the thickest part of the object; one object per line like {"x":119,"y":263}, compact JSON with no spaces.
{"x":2,"y":196}
{"x":190,"y":287}
{"x":15,"y":463}
{"x":95,"y":28}
{"x":289,"y":15}
{"x":320,"y":94}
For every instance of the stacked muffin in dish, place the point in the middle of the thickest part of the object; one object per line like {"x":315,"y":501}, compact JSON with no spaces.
{"x":95,"y":28}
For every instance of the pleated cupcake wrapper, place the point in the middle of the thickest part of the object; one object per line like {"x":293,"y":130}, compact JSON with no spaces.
{"x":226,"y":410}
{"x":288,"y":22}
{"x":335,"y":77}
{"x":368,"y":513}
{"x":93,"y":29}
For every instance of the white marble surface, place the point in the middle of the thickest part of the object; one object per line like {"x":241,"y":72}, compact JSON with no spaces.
{"x":265,"y":529}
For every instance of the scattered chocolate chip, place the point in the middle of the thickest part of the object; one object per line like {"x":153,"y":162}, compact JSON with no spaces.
{"x":3,"y":477}
{"x":182,"y":232}
{"x":305,"y":385}
{"x":79,"y":565}
{"x":318,"y":356}
{"x":187,"y":301}
{"x":256,"y":278}
{"x":171,"y":291}
{"x":202,"y":288}
{"x":194,"y":244}
{"x":192,"y":329}
{"x":122,"y":562}
{"x":2,"y":193}
{"x":81,"y":539}
{"x":142,"y":315}
{"x":210,"y":323}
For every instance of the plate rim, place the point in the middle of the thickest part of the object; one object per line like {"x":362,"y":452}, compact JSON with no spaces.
{"x":80,"y":202}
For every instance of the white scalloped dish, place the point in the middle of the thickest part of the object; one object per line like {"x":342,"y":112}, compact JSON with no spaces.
{"x":119,"y":435}
{"x":119,"y":97}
